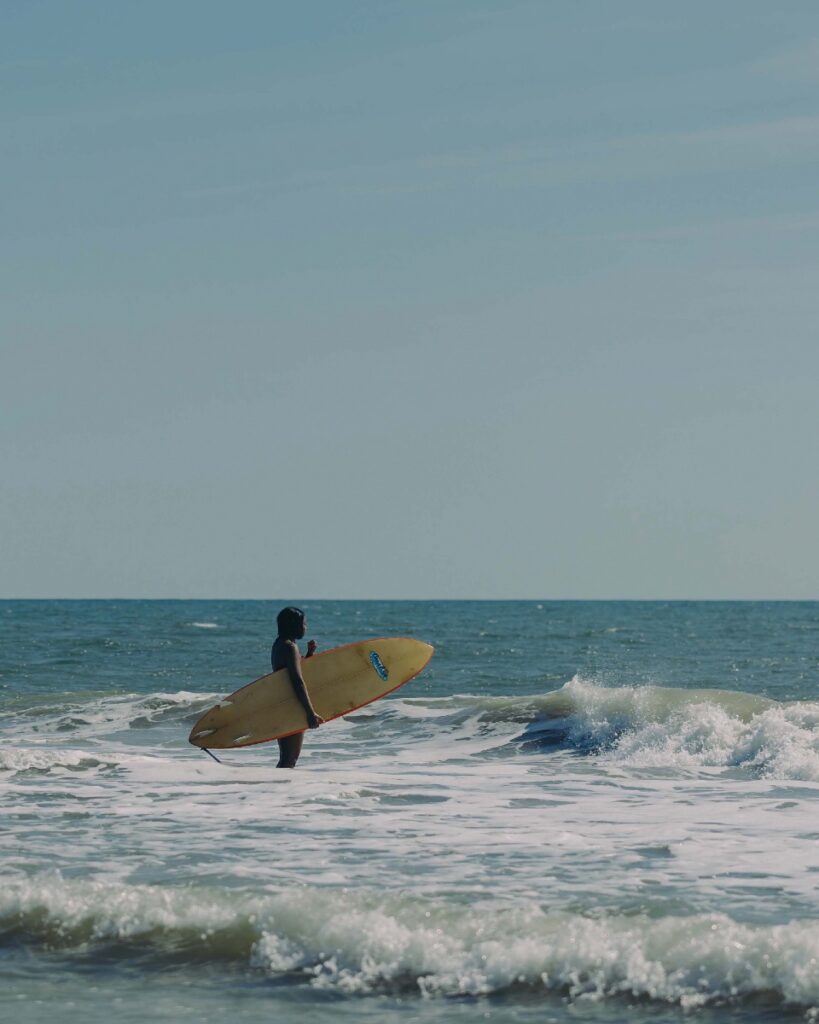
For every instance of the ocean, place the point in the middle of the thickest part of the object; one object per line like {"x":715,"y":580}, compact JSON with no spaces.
{"x":579,"y":811}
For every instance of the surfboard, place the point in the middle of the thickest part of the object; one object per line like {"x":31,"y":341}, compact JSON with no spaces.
{"x":339,"y":681}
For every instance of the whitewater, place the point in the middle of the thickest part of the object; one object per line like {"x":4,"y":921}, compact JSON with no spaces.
{"x":580,"y":811}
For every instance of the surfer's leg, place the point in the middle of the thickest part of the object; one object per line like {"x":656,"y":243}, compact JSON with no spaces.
{"x":289,"y":750}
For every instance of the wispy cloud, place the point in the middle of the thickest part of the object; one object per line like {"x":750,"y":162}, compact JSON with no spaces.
{"x":545,"y":162}
{"x":799,"y":63}
{"x":665,"y":154}
{"x":724,"y":229}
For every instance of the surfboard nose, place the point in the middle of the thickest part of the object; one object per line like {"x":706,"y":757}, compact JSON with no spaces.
{"x":423,"y":652}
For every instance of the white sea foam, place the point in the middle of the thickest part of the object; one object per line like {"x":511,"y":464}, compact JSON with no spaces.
{"x":206,"y":625}
{"x":782,"y":743}
{"x":646,"y":726}
{"x":101,"y":716}
{"x":361,"y":941}
{"x":441,"y":801}
{"x":631,"y":726}
{"x":621,"y":706}
{"x":626,"y":705}
{"x":46,"y":759}
{"x":656,"y":727}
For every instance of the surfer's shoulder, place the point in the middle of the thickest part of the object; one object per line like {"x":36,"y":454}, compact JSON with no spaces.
{"x":284,"y":653}
{"x":291,"y":647}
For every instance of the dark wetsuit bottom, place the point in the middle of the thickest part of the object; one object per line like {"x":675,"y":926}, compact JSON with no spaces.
{"x":289,"y":750}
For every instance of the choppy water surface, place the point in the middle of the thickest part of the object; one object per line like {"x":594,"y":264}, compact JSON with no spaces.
{"x":580,"y":811}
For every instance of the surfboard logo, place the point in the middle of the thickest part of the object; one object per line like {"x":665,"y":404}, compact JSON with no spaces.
{"x":379,"y":665}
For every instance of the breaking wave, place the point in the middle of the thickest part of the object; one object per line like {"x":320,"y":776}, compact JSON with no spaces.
{"x":661,"y":727}
{"x":358,"y":942}
{"x":630,"y":726}
{"x":621,"y":705}
{"x":651,"y":726}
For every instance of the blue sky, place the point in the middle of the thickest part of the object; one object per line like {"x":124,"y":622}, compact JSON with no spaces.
{"x":393,"y":299}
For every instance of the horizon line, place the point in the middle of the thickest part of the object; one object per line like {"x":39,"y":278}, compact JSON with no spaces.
{"x":462,"y":600}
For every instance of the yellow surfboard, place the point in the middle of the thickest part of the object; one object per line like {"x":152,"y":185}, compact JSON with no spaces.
{"x":338,"y":681}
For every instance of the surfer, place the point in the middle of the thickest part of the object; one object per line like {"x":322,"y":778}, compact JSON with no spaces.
{"x":292,"y":626}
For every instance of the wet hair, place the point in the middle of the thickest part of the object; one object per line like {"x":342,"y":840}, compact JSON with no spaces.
{"x":290,"y":621}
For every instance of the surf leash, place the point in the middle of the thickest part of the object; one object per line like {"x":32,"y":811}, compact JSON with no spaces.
{"x":215,"y":758}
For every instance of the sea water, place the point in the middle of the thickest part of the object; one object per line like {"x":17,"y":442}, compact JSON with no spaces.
{"x":579,"y":812}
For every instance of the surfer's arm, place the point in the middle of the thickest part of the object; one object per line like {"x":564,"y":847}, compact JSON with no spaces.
{"x":293,"y":659}
{"x":311,"y":648}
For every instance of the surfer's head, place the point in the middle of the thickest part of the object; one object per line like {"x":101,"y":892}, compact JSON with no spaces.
{"x":292,"y":623}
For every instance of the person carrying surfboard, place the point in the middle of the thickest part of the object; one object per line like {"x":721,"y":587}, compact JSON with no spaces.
{"x":292,"y":626}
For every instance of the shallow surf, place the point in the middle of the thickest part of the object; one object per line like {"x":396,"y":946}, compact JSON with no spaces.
{"x":489,"y":841}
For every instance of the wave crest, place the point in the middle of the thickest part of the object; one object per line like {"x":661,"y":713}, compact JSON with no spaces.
{"x":657,"y":727}
{"x":650,"y":726}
